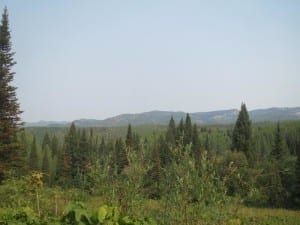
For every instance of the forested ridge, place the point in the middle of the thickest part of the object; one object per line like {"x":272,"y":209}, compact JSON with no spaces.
{"x":182,"y":173}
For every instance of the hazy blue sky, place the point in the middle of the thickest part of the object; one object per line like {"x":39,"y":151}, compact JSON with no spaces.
{"x":95,"y":59}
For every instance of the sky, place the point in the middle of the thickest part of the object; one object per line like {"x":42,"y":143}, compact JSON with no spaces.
{"x":96,"y":59}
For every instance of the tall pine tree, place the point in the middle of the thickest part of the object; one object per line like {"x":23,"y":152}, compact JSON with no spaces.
{"x":188,"y":130}
{"x":121,"y":155}
{"x":179,"y":133}
{"x":33,"y":157}
{"x":278,"y":150}
{"x":46,"y":165}
{"x":46,"y":141}
{"x":67,"y":168}
{"x":10,"y":149}
{"x":296,"y":191}
{"x":241,"y":137}
{"x":129,"y":137}
{"x":196,"y":147}
{"x":171,"y":133}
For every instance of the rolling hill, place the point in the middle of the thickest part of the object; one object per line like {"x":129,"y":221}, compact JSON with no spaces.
{"x":163,"y":117}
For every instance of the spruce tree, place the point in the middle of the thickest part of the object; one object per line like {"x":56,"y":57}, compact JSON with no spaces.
{"x":296,"y":189}
{"x":10,"y":149}
{"x":101,"y":150}
{"x":121,"y":155}
{"x":241,"y":137}
{"x":33,"y":157}
{"x":82,"y":162}
{"x":46,"y":165}
{"x":180,"y":132}
{"x":46,"y":141}
{"x":54,"y":146}
{"x":164,"y":150}
{"x":188,"y":130}
{"x":153,"y":177}
{"x":278,"y":150}
{"x":196,"y":147}
{"x":70,"y":158}
{"x":171,"y":133}
{"x":129,"y":137}
{"x":136,"y":142}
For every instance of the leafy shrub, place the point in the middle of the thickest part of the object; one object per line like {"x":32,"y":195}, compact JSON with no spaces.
{"x":77,"y":214}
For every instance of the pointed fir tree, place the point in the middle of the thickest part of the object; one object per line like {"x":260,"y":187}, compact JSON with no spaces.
{"x":278,"y":150}
{"x":180,"y":132}
{"x":242,"y":132}
{"x":129,"y":137}
{"x":101,"y":150}
{"x":296,"y":188}
{"x":70,"y":158}
{"x":46,"y":165}
{"x":46,"y":141}
{"x":196,"y":147}
{"x":33,"y":157}
{"x":82,"y":154}
{"x":54,"y":146}
{"x":171,"y":133}
{"x":153,"y":176}
{"x":136,"y":142}
{"x":10,"y":149}
{"x":206,"y":143}
{"x":188,"y":130}
{"x":121,"y":159}
{"x":164,"y":150}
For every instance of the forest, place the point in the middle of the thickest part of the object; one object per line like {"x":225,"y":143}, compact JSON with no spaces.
{"x":182,"y":173}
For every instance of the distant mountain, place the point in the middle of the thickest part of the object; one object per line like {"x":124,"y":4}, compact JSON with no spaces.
{"x":163,"y":117}
{"x":43,"y":123}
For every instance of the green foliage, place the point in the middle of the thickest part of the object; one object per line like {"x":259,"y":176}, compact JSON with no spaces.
{"x":129,"y":137}
{"x":171,"y":133}
{"x":278,"y":150}
{"x":33,"y":157}
{"x":196,"y":147}
{"x":10,"y":148}
{"x":188,"y":130}
{"x":77,"y":214}
{"x":242,"y":132}
{"x":152,"y":183}
{"x":121,"y":155}
{"x":296,"y":186}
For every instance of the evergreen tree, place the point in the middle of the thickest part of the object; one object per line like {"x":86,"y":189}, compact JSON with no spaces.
{"x":69,"y":157}
{"x":10,"y":149}
{"x":241,"y":137}
{"x":83,"y":150}
{"x":54,"y":146}
{"x":296,"y":191}
{"x":188,"y":130}
{"x":171,"y":133}
{"x":33,"y":157}
{"x":206,"y":144}
{"x":180,"y":132}
{"x":46,"y":141}
{"x":121,"y":155}
{"x":196,"y":147}
{"x":153,"y":176}
{"x":129,"y":137}
{"x":46,"y":164}
{"x":136,"y":142}
{"x":164,"y":150}
{"x":101,"y":150}
{"x":278,"y":150}
{"x":80,"y":161}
